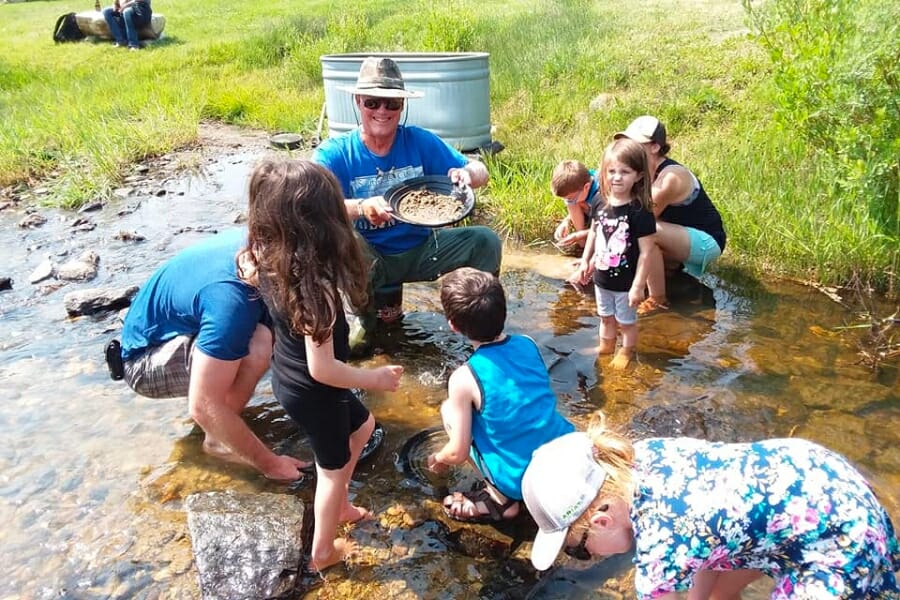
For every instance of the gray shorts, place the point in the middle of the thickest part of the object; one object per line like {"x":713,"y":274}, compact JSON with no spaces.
{"x":162,"y":371}
{"x":615,"y":304}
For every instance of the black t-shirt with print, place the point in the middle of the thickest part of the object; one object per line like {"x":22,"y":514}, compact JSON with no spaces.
{"x":616,"y":248}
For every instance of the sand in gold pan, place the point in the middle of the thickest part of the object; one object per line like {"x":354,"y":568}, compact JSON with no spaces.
{"x":424,"y":206}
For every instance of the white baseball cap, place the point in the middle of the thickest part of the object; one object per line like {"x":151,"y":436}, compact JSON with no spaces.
{"x":643,"y":130}
{"x":559,"y":485}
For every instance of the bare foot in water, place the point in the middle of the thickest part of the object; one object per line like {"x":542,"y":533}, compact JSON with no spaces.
{"x":607,"y":345}
{"x":342,"y":549}
{"x":220,"y":450}
{"x":354,"y":514}
{"x":622,"y":358}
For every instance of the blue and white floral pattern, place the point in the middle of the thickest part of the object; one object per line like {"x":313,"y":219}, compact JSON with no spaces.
{"x":790,"y":508}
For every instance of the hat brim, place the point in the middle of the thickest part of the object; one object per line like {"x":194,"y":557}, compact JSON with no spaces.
{"x":381,"y":92}
{"x":546,"y":548}
{"x":631,"y":135}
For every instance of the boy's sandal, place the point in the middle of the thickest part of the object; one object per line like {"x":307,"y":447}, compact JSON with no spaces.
{"x":477,"y":495}
{"x":652,"y":305}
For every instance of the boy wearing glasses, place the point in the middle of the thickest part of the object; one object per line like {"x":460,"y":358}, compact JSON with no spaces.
{"x":577,"y":186}
{"x":379,"y":154}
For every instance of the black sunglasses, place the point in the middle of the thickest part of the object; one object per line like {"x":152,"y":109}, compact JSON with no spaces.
{"x":388,"y":103}
{"x":579,"y":552}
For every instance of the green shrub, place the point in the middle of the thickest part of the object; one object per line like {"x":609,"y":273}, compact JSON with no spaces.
{"x":837,"y":88}
{"x":448,"y":28}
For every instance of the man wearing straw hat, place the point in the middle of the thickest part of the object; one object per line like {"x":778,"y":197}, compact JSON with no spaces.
{"x":379,"y":154}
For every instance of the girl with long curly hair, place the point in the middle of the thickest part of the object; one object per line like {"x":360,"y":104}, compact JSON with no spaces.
{"x":307,"y":262}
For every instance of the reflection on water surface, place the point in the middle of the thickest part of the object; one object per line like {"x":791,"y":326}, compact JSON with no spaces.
{"x":92,"y":477}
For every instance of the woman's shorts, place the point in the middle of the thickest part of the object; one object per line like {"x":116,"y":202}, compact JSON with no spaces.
{"x":704,"y":251}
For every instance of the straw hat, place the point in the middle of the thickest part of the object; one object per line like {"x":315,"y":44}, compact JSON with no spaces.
{"x":380,"y":77}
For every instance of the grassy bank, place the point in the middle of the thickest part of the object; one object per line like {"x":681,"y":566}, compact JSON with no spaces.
{"x":565,"y":75}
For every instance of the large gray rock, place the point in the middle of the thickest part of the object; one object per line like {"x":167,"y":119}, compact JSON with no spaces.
{"x":91,"y":22}
{"x":246,"y":546}
{"x":94,"y":300}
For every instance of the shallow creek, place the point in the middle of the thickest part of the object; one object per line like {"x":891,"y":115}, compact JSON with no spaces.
{"x":92,"y":476}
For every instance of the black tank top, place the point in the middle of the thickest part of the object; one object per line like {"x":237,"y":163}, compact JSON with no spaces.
{"x":290,"y":368}
{"x":699,"y":213}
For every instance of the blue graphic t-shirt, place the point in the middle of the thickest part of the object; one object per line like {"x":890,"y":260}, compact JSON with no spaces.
{"x":788,"y":507}
{"x":416,"y":152}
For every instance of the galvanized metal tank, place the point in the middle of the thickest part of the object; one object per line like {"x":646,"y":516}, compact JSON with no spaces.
{"x":456,"y":105}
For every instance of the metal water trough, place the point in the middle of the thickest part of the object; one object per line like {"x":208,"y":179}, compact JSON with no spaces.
{"x":456,"y":105}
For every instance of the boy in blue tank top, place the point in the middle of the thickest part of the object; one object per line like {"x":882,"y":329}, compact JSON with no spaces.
{"x":500,"y":407}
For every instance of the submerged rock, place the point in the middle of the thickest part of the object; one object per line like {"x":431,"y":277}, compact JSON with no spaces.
{"x":713,"y":416}
{"x":91,"y":206}
{"x":94,"y":300}
{"x":246,"y":545}
{"x":33,"y":220}
{"x":82,"y":268}
{"x":42,"y":271}
{"x":129,"y":236}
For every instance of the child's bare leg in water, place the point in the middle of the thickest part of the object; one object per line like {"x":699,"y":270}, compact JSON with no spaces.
{"x":629,"y":341}
{"x":608,"y":330}
{"x":332,"y":504}
{"x":358,"y":440}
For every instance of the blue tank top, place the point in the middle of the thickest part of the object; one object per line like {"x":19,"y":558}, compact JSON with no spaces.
{"x":518,"y":410}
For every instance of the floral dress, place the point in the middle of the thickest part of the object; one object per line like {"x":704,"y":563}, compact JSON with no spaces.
{"x":790,"y":508}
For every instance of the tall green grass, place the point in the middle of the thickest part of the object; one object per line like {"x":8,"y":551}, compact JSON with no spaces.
{"x":835,"y":88}
{"x":565,"y":75}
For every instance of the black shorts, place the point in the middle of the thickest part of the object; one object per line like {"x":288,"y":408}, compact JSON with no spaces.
{"x":328,"y":420}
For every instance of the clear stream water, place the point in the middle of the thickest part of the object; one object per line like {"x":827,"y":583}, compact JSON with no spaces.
{"x":92,"y":476}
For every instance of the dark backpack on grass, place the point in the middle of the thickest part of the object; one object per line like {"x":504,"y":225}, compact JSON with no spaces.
{"x":67,"y":29}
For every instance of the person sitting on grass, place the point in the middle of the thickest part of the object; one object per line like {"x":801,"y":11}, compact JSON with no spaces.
{"x":577,"y":186}
{"x":500,"y":406}
{"x":712,"y":517}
